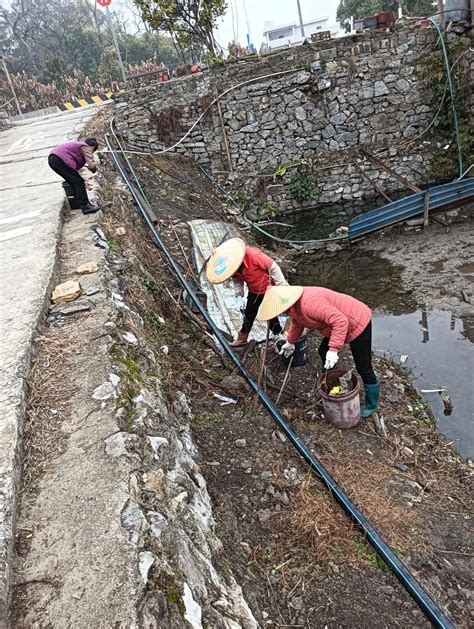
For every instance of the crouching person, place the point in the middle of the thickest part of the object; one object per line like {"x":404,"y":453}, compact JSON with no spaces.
{"x":250,"y":266}
{"x":340,"y":319}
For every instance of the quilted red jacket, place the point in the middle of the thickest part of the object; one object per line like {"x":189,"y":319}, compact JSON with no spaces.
{"x":339,"y":317}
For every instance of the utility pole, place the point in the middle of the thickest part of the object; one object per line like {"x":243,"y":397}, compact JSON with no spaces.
{"x":114,"y":37}
{"x":300,"y":18}
{"x":5,"y":69}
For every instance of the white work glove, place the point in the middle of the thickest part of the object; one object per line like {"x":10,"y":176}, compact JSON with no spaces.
{"x":331,"y":359}
{"x":287,"y":349}
{"x":240,"y":303}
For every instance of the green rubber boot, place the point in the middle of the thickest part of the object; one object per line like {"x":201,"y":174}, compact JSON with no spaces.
{"x":372,"y":396}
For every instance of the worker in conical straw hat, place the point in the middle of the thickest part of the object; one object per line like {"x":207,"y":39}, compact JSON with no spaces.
{"x":340,"y":319}
{"x":249,"y":265}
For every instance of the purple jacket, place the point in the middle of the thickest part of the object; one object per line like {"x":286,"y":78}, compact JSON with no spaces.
{"x":74,"y":154}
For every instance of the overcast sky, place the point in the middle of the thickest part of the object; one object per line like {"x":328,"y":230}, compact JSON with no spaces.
{"x":278,"y":11}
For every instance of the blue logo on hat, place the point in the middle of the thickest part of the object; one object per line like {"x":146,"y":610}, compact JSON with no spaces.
{"x":220,"y":266}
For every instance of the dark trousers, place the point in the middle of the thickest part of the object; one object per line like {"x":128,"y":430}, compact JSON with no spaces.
{"x":72,"y":177}
{"x":251,"y":309}
{"x":361,"y":348}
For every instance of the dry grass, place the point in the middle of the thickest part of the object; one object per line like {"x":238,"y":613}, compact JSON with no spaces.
{"x":49,"y":402}
{"x":367,"y":483}
{"x":315,"y":524}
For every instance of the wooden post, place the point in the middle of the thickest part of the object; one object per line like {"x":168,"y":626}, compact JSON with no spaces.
{"x":426,"y":208}
{"x":226,"y":142}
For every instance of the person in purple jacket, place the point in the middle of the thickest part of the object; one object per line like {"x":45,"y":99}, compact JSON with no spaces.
{"x":67,"y":159}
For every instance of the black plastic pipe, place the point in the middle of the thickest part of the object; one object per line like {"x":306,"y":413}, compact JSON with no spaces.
{"x":415,"y":589}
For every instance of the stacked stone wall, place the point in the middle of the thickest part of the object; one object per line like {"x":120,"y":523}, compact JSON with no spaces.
{"x":334,"y":98}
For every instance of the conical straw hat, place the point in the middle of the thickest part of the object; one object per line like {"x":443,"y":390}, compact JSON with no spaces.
{"x":277,"y":300}
{"x":225,"y":260}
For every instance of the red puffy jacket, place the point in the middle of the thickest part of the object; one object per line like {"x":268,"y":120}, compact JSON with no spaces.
{"x":339,"y":317}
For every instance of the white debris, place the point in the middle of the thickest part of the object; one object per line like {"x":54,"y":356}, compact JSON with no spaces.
{"x":130,"y":338}
{"x":193,"y":611}
{"x":145,"y":562}
{"x":225,"y":400}
{"x":114,"y":379}
{"x":165,"y":349}
{"x":403,"y":359}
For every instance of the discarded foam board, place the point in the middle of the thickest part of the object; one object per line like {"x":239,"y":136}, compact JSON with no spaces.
{"x":221,"y":304}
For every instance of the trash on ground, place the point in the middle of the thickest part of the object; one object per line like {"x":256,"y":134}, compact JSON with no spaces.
{"x":403,"y":359}
{"x":441,"y":390}
{"x":379,"y":424}
{"x":165,"y":349}
{"x":87,"y":267}
{"x":344,"y":386}
{"x":225,"y":400}
{"x":67,"y":291}
{"x":448,"y":405}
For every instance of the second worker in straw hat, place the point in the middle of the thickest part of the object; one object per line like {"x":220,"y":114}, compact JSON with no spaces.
{"x":249,"y":265}
{"x":340,"y":318}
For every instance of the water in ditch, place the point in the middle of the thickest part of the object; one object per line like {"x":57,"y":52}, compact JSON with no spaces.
{"x":439,"y":346}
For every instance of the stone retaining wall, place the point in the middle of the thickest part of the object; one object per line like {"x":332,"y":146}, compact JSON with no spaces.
{"x":334,"y":97}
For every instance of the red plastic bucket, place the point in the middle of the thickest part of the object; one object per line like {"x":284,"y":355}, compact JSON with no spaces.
{"x":342,"y":411}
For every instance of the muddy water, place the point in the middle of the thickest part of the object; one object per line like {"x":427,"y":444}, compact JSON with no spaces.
{"x":439,"y":346}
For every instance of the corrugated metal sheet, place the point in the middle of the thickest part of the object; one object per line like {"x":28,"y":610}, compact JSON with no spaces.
{"x":411,"y":206}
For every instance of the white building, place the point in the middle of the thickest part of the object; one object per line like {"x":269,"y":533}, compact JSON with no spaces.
{"x":288,"y":35}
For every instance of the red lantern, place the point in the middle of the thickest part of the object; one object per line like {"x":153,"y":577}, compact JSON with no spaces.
{"x":104,"y":3}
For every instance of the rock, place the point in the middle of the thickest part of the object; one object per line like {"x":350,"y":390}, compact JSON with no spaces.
{"x":264,"y":515}
{"x":69,"y":308}
{"x":87,"y":267}
{"x":119,"y":443}
{"x":266,"y":475}
{"x":234,"y":384}
{"x":380,"y":89}
{"x":338,"y":119}
{"x":67,"y":291}
{"x":120,"y":231}
{"x":240,"y":443}
{"x":157,"y":442}
{"x":300,"y":113}
{"x":92,"y":290}
{"x":276,"y":434}
{"x":154,"y":481}
{"x":133,"y":519}
{"x":403,"y":86}
{"x":246,"y":465}
{"x":157,"y":523}
{"x":104,"y":391}
{"x":145,"y":562}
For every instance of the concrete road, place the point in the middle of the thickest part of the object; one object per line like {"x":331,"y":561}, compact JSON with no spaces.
{"x":31,"y":201}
